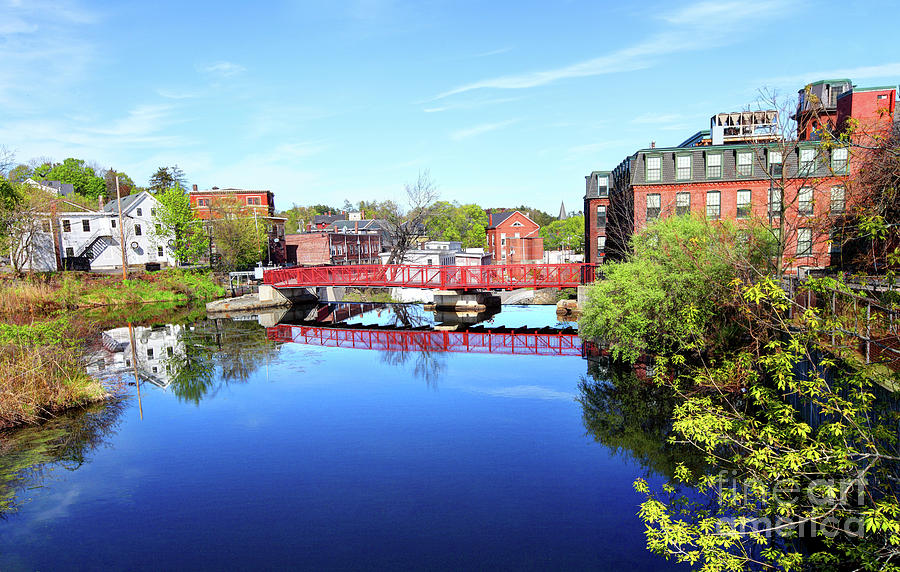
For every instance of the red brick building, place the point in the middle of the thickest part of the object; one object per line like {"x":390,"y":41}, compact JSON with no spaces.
{"x":317,"y":248}
{"x":512,"y":238}
{"x":212,"y":203}
{"x":741,"y":170}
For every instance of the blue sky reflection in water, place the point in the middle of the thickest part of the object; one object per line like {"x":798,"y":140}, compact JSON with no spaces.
{"x":334,"y":458}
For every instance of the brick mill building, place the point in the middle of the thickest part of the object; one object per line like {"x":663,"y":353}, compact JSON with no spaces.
{"x":740,"y":169}
{"x":512,"y":238}
{"x":339,"y":248}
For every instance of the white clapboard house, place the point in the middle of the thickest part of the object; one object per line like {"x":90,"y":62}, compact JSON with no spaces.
{"x":96,"y":237}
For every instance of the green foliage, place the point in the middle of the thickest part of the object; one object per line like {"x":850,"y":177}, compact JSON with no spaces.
{"x":798,"y":430}
{"x":298,"y":217}
{"x":673,"y":292}
{"x":175,"y":220}
{"x":239,"y":238}
{"x":564,"y":234}
{"x":455,"y":222}
{"x":19,"y":174}
{"x":82,"y":177}
{"x":166,"y":179}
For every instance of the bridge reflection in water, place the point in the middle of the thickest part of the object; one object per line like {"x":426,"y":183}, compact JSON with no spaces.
{"x":326,"y":326}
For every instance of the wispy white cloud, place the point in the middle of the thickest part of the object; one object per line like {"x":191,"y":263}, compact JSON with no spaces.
{"x":470,"y":104}
{"x":702,"y":13}
{"x":174,"y":94}
{"x":223,"y":69}
{"x":699,"y":26}
{"x":461,"y":134}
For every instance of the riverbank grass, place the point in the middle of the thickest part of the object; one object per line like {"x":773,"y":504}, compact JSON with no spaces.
{"x":41,"y":372}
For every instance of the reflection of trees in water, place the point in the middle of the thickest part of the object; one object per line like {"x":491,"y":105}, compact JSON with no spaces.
{"x":216,"y":353}
{"x":633,"y":417}
{"x":29,"y":457}
{"x":429,"y":365}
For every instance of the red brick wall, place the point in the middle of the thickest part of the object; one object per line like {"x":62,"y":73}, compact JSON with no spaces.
{"x":266,"y":204}
{"x":591,"y":230}
{"x":312,"y":248}
{"x":874,"y":116}
{"x":517,"y":250}
{"x":759,"y":193}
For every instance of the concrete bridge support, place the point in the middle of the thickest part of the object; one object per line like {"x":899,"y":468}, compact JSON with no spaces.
{"x":271,"y":296}
{"x":465,"y":300}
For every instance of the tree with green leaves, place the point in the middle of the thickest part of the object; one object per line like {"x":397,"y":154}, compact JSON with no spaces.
{"x":798,"y":428}
{"x":166,"y":178}
{"x":239,"y":237}
{"x":175,"y":220}
{"x":455,"y":222}
{"x":565,"y":234}
{"x":126,"y":184}
{"x":84,"y":178}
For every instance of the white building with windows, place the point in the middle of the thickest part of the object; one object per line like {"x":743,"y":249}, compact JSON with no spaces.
{"x":95,"y":236}
{"x":158,"y":351}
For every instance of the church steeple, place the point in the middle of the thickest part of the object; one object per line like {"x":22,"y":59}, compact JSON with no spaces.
{"x":562,"y":211}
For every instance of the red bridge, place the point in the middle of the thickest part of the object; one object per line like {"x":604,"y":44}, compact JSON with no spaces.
{"x":493,"y":277}
{"x":486,"y":341}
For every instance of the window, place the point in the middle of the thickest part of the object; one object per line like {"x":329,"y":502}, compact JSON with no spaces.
{"x":159,"y":251}
{"x":602,"y":186}
{"x":682,"y":203}
{"x":807,"y":162}
{"x":137,"y":230}
{"x":743,"y":203}
{"x":45,"y":225}
{"x":654,"y":169}
{"x":714,"y":166}
{"x":149,"y":353}
{"x":601,"y":216}
{"x":881,"y":96}
{"x":601,"y":244}
{"x":804,"y":241}
{"x":713,"y":204}
{"x":653,"y":205}
{"x":86,"y":225}
{"x":775,"y":202}
{"x":744,"y":163}
{"x":835,"y":241}
{"x":69,"y":252}
{"x":805,"y":201}
{"x":516,"y":224}
{"x":67,"y":227}
{"x":776,"y":163}
{"x":839,"y":160}
{"x":202,"y":202}
{"x":170,"y":351}
{"x":253,"y":201}
{"x":112,"y":221}
{"x":682,"y":167}
{"x":140,"y":212}
{"x":837,"y":200}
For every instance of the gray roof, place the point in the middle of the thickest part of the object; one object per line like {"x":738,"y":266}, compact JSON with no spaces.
{"x":562,"y":211}
{"x":497,"y":218}
{"x":64,"y":189}
{"x":324,"y":218}
{"x":127,"y":201}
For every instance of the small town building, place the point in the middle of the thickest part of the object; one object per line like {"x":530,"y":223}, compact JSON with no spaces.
{"x":213,"y":203}
{"x":512,"y":238}
{"x":337,"y":248}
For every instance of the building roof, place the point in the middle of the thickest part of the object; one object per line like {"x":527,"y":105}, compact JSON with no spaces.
{"x":61,"y":189}
{"x":127,"y":202}
{"x":325,"y":218}
{"x":229,"y":190}
{"x":498,"y":218}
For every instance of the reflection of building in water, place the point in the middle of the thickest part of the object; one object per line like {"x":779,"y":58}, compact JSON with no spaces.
{"x":155,"y":348}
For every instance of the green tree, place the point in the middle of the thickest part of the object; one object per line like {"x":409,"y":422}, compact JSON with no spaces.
{"x":126,"y":184}
{"x":239,"y":237}
{"x":175,"y":220}
{"x":19,"y":173}
{"x":564,"y":234}
{"x":166,"y":178}
{"x":463,"y":223}
{"x":81,"y":176}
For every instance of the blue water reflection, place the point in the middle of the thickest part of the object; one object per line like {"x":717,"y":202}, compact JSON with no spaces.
{"x":311,"y":457}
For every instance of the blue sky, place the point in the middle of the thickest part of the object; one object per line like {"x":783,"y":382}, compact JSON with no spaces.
{"x":504,"y":102}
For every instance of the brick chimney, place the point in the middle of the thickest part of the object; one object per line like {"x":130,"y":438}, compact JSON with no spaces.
{"x":653,"y":144}
{"x":490,"y":219}
{"x":195,"y":187}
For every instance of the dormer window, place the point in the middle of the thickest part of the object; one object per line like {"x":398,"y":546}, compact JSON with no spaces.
{"x":654,"y":169}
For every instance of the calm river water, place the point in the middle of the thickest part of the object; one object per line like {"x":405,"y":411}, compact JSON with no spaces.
{"x":255,"y":453}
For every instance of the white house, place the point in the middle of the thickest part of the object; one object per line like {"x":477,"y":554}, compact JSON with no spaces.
{"x":155,"y":349}
{"x":443,"y":253}
{"x":96,"y":236}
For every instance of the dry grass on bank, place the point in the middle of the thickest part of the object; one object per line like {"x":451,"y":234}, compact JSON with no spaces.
{"x":37,"y":382}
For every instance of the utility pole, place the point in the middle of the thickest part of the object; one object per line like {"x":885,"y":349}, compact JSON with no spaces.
{"x":121,"y":231}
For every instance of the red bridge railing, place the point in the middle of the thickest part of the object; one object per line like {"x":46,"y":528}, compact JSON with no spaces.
{"x":482,"y":341}
{"x":493,"y":277}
